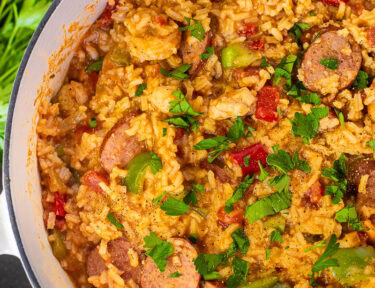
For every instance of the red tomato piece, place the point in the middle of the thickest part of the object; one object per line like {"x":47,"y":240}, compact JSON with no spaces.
{"x":315,"y":192}
{"x":236,"y":216}
{"x":334,"y":2}
{"x":248,"y":30}
{"x":257,"y":152}
{"x":257,"y":45}
{"x":59,"y":205}
{"x":106,"y":19}
{"x":268,"y":98}
{"x":92,"y":180}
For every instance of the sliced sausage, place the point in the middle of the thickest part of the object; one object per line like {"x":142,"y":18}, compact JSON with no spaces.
{"x":118,"y":148}
{"x":95,"y":264}
{"x":121,"y":250}
{"x":332,"y":44}
{"x":181,"y":261}
{"x":356,"y":170}
{"x":191,"y":50}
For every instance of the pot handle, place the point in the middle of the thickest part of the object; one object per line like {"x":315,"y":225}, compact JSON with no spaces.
{"x":7,"y":240}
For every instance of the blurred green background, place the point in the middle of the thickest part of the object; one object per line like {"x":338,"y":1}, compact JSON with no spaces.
{"x":18,"y":21}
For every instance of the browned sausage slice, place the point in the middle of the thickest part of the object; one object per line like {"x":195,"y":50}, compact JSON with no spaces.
{"x":191,"y":50}
{"x":121,"y":251}
{"x":181,"y":261}
{"x":356,"y":170}
{"x":118,"y":148}
{"x":95,"y":264}
{"x":336,"y":45}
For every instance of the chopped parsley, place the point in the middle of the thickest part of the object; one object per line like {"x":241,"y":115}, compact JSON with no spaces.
{"x":297,"y":30}
{"x":174,"y":207}
{"x":284,"y":69}
{"x":337,"y":174}
{"x":156,"y":201}
{"x":221,"y":143}
{"x":281,"y":182}
{"x":206,"y":265}
{"x":330,"y":63}
{"x":164,"y":132}
{"x":307,"y":126}
{"x":268,"y":254}
{"x":341,"y":117}
{"x":246,"y":161}
{"x":192,"y":197}
{"x":349,"y":214}
{"x":299,"y":92}
{"x":284,"y":163}
{"x":371,"y":144}
{"x":320,"y":244}
{"x":185,"y":121}
{"x":269,"y":205}
{"x":93,"y":123}
{"x":240,"y":271}
{"x":159,"y":250}
{"x":264,"y":62}
{"x":196,"y":29}
{"x":114,"y":221}
{"x":179,"y":73}
{"x":323,"y":261}
{"x":361,"y":81}
{"x":238,"y":193}
{"x":335,"y":193}
{"x":155,"y":163}
{"x":95,"y":66}
{"x":240,"y":242}
{"x":263,"y":173}
{"x":140,"y":89}
{"x":174,"y":275}
{"x":210,"y":52}
{"x":181,"y":105}
{"x":276,"y":236}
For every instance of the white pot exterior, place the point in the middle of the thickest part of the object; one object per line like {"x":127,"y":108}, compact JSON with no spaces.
{"x":21,"y":178}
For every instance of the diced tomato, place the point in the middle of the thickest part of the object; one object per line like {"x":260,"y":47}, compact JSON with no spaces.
{"x":161,"y":20}
{"x":334,"y":2}
{"x":315,"y":192}
{"x":257,"y":152}
{"x":59,"y":205}
{"x":92,"y":180}
{"x":94,"y":77}
{"x":268,"y":98}
{"x":236,"y":216}
{"x":256,"y":45}
{"x":371,"y":36}
{"x":248,"y":29}
{"x":105,"y":19}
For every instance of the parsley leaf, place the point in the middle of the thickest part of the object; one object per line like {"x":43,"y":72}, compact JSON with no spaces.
{"x":240,"y":242}
{"x":263,"y":173}
{"x":330,"y":63}
{"x":164,"y":132}
{"x":299,"y":92}
{"x":246,"y":161}
{"x":206,"y":264}
{"x":361,"y":81}
{"x":174,"y":207}
{"x":240,"y":271}
{"x":297,"y":30}
{"x":269,"y":205}
{"x":155,"y":163}
{"x":349,"y":214}
{"x":236,"y":131}
{"x":281,"y":182}
{"x":184,"y":121}
{"x":159,"y":251}
{"x":268,"y":254}
{"x":341,"y":117}
{"x":264,"y":62}
{"x":307,"y":126}
{"x":238,"y":193}
{"x":284,"y":69}
{"x":338,"y":175}
{"x":284,"y":163}
{"x":320,"y":244}
{"x":181,"y":105}
{"x":335,"y":192}
{"x":96,"y":66}
{"x":174,"y":275}
{"x":179,"y":73}
{"x":191,"y":197}
{"x":114,"y":221}
{"x":210,"y":52}
{"x":140,"y":89}
{"x":371,"y":144}
{"x":276,"y":236}
{"x":156,"y":201}
{"x":196,"y":29}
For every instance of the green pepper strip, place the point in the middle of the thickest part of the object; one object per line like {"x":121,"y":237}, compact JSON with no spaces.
{"x":137,"y":171}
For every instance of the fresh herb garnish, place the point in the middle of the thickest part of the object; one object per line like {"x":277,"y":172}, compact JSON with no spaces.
{"x":246,"y":161}
{"x":341,"y":117}
{"x":330,"y":63}
{"x":263,"y":173}
{"x":240,"y":271}
{"x":196,"y":29}
{"x":174,"y":275}
{"x":93,"y":123}
{"x":114,"y":221}
{"x":269,"y":205}
{"x":320,"y":244}
{"x":371,"y":144}
{"x":96,"y":66}
{"x":335,"y":193}
{"x":179,"y":73}
{"x":210,"y":52}
{"x":281,"y":182}
{"x":307,"y":126}
{"x":174,"y":207}
{"x":185,"y":121}
{"x":240,"y":242}
{"x":238,"y":193}
{"x":156,"y":201}
{"x":284,"y":69}
{"x":206,"y":265}
{"x":337,"y":174}
{"x":164,"y":132}
{"x":299,"y":92}
{"x":192,"y":197}
{"x":349,"y":214}
{"x":159,"y":250}
{"x":221,"y":143}
{"x":181,"y":105}
{"x":276,"y":236}
{"x":268,"y":254}
{"x":155,"y":163}
{"x":361,"y":81}
{"x":140,"y":89}
{"x":297,"y":30}
{"x":282,"y":161}
{"x":264,"y":62}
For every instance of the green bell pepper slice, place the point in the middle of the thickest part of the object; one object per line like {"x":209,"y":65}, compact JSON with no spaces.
{"x":352,"y":263}
{"x":58,"y":246}
{"x":136,"y":172}
{"x":236,"y":55}
{"x":268,"y":282}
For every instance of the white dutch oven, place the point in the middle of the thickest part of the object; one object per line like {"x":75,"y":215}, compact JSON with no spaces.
{"x":46,"y":60}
